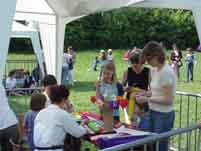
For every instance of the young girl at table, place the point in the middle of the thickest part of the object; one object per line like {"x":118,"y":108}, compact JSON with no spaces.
{"x":107,"y":89}
{"x":37,"y":103}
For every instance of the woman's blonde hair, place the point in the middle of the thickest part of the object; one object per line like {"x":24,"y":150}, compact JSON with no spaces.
{"x":111,"y":67}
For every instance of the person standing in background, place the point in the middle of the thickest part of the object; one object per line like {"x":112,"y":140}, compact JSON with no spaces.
{"x":102,"y":61}
{"x":176,"y":62}
{"x":109,"y":55}
{"x":190,"y":59}
{"x":95,"y":63}
{"x":65,"y":69}
{"x":71,"y":63}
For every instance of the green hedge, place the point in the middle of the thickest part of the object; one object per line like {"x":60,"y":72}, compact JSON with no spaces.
{"x":128,"y":27}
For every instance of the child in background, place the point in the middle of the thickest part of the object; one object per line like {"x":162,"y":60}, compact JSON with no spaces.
{"x":102,"y":61}
{"x":95,"y":63}
{"x":37,"y":103}
{"x":109,"y":55}
{"x":107,"y":91}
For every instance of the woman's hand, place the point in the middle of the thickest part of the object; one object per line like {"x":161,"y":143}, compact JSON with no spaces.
{"x":144,"y":93}
{"x":141,"y":99}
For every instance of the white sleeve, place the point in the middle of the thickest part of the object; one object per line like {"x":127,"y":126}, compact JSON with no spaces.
{"x":72,"y":127}
{"x":167,"y":78}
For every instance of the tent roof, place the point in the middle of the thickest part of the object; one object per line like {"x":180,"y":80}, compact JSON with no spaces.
{"x":20,"y":27}
{"x":84,"y":7}
{"x":34,"y":7}
{"x":34,"y":10}
{"x":46,"y":10}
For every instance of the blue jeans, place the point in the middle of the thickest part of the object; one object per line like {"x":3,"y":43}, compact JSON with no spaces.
{"x":144,"y":123}
{"x":65,"y":75}
{"x":161,"y":122}
{"x":189,"y":71}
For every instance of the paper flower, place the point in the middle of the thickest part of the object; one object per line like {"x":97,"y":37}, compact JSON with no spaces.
{"x":93,"y":99}
{"x":122,"y":102}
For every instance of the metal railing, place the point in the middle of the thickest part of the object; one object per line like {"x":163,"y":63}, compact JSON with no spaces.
{"x":20,"y":64}
{"x":19,"y":98}
{"x":186,"y":108}
{"x":155,"y":139}
{"x":186,"y":133}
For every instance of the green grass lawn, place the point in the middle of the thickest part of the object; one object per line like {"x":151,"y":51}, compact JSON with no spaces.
{"x":84,"y":87}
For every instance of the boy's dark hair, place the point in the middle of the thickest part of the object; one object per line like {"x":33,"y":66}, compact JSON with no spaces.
{"x":49,"y":80}
{"x":37,"y":101}
{"x":57,"y":93}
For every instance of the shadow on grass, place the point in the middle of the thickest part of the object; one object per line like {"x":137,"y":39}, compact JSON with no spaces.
{"x":83,"y":86}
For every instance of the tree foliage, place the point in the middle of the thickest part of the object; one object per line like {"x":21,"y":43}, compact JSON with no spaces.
{"x":128,"y":27}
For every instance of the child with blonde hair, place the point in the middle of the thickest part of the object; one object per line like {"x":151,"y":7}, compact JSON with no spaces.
{"x":107,"y":90}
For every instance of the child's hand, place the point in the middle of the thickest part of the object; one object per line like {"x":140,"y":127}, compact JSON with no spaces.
{"x":98,"y":84}
{"x":126,"y":88}
{"x":99,"y":103}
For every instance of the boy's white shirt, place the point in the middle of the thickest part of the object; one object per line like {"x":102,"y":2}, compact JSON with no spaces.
{"x":51,"y":126}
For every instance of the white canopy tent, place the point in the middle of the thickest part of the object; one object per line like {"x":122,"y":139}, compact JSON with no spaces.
{"x":21,"y":31}
{"x":52,"y":16}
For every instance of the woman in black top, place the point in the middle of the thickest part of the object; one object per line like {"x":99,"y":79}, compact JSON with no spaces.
{"x":137,"y":76}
